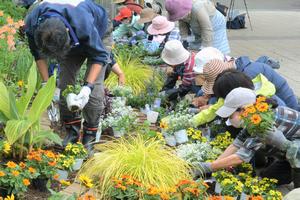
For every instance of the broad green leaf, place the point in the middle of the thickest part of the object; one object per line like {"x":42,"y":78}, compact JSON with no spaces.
{"x":41,"y":136}
{"x":4,"y":101}
{"x":12,"y":106}
{"x":15,"y":129}
{"x":24,"y":101}
{"x":42,"y":100}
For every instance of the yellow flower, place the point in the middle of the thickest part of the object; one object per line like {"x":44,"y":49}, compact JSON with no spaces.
{"x":163,"y":125}
{"x":6,"y":147}
{"x":11,"y":164}
{"x":26,"y":182}
{"x":251,"y":109}
{"x":262,"y":107}
{"x":68,"y":147}
{"x":15,"y":173}
{"x":86,"y":181}
{"x":22,"y":165}
{"x":31,"y":170}
{"x":2,"y":174}
{"x":20,"y":83}
{"x":65,"y":183}
{"x":260,"y":99}
{"x":12,"y":197}
{"x":256,"y":119}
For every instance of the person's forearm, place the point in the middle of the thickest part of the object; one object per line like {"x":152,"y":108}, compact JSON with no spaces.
{"x":228,"y":161}
{"x":43,"y":69}
{"x":229,"y":151}
{"x":94,"y":73}
{"x":117,"y":70}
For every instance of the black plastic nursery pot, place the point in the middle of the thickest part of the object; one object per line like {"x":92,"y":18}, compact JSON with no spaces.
{"x":4,"y":192}
{"x":40,"y":184}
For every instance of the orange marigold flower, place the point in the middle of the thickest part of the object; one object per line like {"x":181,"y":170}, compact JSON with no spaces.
{"x":153,"y":191}
{"x":256,"y":198}
{"x":262,"y":107}
{"x":1,"y":13}
{"x":164,"y":196}
{"x":122,"y":187}
{"x":245,"y":113}
{"x":15,"y":173}
{"x":9,"y":20}
{"x":260,"y":99}
{"x":26,"y":182}
{"x":126,"y":177}
{"x":215,"y":198}
{"x":256,"y":119}
{"x":2,"y":174}
{"x":228,"y":198}
{"x":56,"y":176}
{"x":22,"y":165}
{"x":50,"y":154}
{"x":251,"y":109}
{"x":184,"y":182}
{"x":31,"y":170}
{"x":52,"y":164}
{"x":163,"y":125}
{"x":11,"y":164}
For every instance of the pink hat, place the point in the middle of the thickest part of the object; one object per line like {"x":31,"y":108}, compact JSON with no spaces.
{"x":160,"y":25}
{"x":178,"y":9}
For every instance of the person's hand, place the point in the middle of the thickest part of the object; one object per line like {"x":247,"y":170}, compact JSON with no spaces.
{"x":121,"y":79}
{"x":200,"y":101}
{"x":83,"y":97}
{"x":169,"y":71}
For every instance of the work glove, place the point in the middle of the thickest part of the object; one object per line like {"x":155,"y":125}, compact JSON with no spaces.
{"x":83,"y":97}
{"x":276,"y":139}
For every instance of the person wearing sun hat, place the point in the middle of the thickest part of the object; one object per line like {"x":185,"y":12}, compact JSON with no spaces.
{"x":146,"y":16}
{"x":202,"y":19}
{"x":131,"y":4}
{"x":284,"y":93}
{"x":160,"y":31}
{"x":282,"y":139}
{"x":128,"y":26}
{"x":182,"y":62}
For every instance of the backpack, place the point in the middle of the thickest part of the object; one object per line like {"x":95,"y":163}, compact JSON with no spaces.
{"x":237,"y":23}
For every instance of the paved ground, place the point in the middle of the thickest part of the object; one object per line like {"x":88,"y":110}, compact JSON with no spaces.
{"x":276,"y":33}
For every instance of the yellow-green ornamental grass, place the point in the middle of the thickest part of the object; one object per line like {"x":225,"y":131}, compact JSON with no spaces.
{"x":148,"y":161}
{"x":137,"y":76}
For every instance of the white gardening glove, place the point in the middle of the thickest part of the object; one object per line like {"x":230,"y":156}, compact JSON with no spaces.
{"x":83,"y":97}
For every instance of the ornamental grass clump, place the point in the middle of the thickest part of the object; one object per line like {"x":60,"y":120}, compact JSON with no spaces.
{"x":146,"y":160}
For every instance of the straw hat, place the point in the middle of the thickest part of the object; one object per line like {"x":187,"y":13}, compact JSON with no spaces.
{"x":147,"y":15}
{"x":211,"y":70}
{"x":177,"y":9}
{"x":206,"y":55}
{"x":174,"y":53}
{"x":160,"y":25}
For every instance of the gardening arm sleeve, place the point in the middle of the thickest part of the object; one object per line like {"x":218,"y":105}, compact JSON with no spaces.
{"x":208,"y":114}
{"x":248,"y":149}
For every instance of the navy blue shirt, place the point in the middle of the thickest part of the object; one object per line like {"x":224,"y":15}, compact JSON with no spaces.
{"x":87,"y":19}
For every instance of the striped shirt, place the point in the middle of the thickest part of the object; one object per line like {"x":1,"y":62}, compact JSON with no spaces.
{"x":188,"y":72}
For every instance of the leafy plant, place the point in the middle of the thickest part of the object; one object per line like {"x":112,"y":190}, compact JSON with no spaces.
{"x":148,"y":161}
{"x":71,"y":89}
{"x":12,"y":10}
{"x":16,"y":177}
{"x":258,"y":118}
{"x":197,"y":152}
{"x":65,"y":162}
{"x":122,"y":91}
{"x":44,"y":161}
{"x":175,"y":122}
{"x":22,"y":122}
{"x":137,"y":76}
{"x":192,"y":190}
{"x":76,"y":150}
